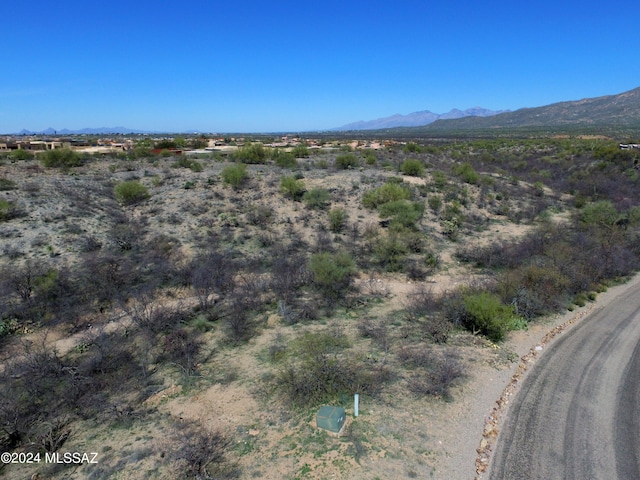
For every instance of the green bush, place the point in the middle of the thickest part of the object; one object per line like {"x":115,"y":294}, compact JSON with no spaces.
{"x":435,"y":203}
{"x":337,"y":219}
{"x":439,"y":179}
{"x":486,"y":313}
{"x":234,"y":175}
{"x":186,"y":162}
{"x":402,"y":212}
{"x":285,"y":159}
{"x":8,"y":210}
{"x":326,"y":378}
{"x":370,"y":157}
{"x":300,"y":151}
{"x":292,"y":188}
{"x":251,"y":153}
{"x":390,"y":252}
{"x":316,"y":198}
{"x":388,"y":192}
{"x":467,"y":173}
{"x":348,"y":160}
{"x":598,"y":214}
{"x":130,"y":192}
{"x":332,"y":272}
{"x":412,"y":148}
{"x":61,"y":158}
{"x":21,"y":154}
{"x":412,"y":167}
{"x":141,"y":152}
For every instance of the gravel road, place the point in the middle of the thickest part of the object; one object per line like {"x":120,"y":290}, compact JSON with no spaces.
{"x":577,"y":413}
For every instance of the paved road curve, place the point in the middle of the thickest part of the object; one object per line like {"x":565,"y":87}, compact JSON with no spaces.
{"x":577,"y":414}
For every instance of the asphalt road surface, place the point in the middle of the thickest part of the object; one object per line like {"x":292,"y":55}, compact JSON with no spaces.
{"x":577,"y":413}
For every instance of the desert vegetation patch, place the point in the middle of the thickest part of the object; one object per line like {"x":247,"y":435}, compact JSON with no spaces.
{"x":186,"y":317}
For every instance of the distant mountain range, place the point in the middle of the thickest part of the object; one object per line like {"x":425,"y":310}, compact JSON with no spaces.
{"x":84,"y":131}
{"x":621,"y":110}
{"x":418,"y":119}
{"x":616,"y":111}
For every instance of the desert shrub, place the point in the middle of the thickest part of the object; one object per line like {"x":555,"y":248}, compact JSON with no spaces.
{"x":61,"y":158}
{"x":337,"y":219}
{"x":370,"y":157}
{"x":535,"y":289}
{"x":252,"y":153}
{"x":292,"y":188}
{"x":130,"y":192}
{"x":347,"y":160}
{"x":412,"y":167}
{"x":439,"y":179}
{"x":598,"y":214}
{"x":300,"y":151}
{"x":377,"y":331}
{"x":234,"y":175}
{"x":436,"y":328}
{"x":467,"y":173}
{"x":440,"y":373}
{"x":435,"y":203}
{"x":412,"y":148}
{"x":285,"y":159}
{"x":415,"y":270}
{"x":288,"y":274}
{"x":210,"y":274}
{"x":140,"y":152}
{"x":21,"y":154}
{"x":485,"y":313}
{"x":198,"y":453}
{"x":322,"y":376}
{"x":332,"y":272}
{"x":402,"y":212}
{"x":239,"y":323}
{"x":317,"y":198}
{"x":9,"y":210}
{"x":390,"y":252}
{"x":388,"y":192}
{"x":186,"y":162}
{"x":6,"y":184}
{"x":181,"y":347}
{"x":260,"y":215}
{"x":420,"y":303}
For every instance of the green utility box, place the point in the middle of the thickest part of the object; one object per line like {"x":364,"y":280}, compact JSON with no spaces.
{"x":331,"y":418}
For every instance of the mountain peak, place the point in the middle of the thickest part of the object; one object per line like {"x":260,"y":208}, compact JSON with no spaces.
{"x":417,"y":119}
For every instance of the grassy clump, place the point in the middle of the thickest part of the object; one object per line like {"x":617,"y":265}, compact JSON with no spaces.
{"x":388,"y":192}
{"x":292,"y":188}
{"x":467,"y":173}
{"x":332,"y":272}
{"x":234,"y":175}
{"x":412,"y":167}
{"x":130,"y":192}
{"x":337,"y":219}
{"x":316,"y":198}
{"x":186,"y":162}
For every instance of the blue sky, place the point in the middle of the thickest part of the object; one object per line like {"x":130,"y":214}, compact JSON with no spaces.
{"x":290,"y":66}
